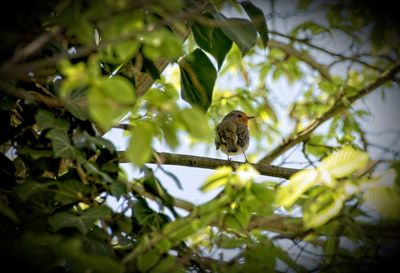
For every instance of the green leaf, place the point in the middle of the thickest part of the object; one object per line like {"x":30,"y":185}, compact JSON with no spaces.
{"x":196,"y":123}
{"x":298,"y":184}
{"x":161,"y":43}
{"x":315,"y":145}
{"x":70,"y":191}
{"x":148,"y":260}
{"x":29,"y":188}
{"x":219,"y":178}
{"x":230,"y":241}
{"x":124,"y":28}
{"x":118,"y":188}
{"x":62,"y":146}
{"x":257,"y":17}
{"x":46,"y":120}
{"x":240,"y":31}
{"x":344,"y":162}
{"x":198,"y":76}
{"x":139,"y":150}
{"x":322,"y":209}
{"x":212,"y":40}
{"x":82,"y":222}
{"x":110,"y":100}
{"x":167,"y":264}
{"x":385,"y":200}
{"x":76,"y":102}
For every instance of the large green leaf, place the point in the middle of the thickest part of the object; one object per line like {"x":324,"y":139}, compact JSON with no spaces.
{"x":110,"y":99}
{"x":212,"y":40}
{"x":198,"y":76}
{"x":70,"y":191}
{"x":46,"y":120}
{"x":344,"y":162}
{"x":29,"y":188}
{"x":83,"y":222}
{"x":239,"y":30}
{"x":257,"y":17}
{"x":62,"y":146}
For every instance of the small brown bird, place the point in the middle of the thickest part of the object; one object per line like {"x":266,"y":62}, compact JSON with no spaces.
{"x":232,"y":134}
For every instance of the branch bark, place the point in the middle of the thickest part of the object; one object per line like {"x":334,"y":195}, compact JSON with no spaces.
{"x":212,"y":163}
{"x":340,"y":106}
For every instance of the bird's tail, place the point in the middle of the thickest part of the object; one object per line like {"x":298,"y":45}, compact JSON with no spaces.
{"x":230,"y":144}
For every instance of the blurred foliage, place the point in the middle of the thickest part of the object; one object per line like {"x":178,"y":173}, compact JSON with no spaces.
{"x":72,"y":70}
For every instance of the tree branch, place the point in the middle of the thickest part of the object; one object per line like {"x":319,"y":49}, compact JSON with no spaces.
{"x":324,"y":50}
{"x":338,"y":107}
{"x":212,"y":163}
{"x":292,"y":226}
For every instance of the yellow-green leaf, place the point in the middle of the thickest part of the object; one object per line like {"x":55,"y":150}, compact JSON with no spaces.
{"x":139,"y":150}
{"x":326,"y":206}
{"x":345,"y":162}
{"x":110,"y":99}
{"x":298,"y":184}
{"x":385,"y":200}
{"x":218,"y":179}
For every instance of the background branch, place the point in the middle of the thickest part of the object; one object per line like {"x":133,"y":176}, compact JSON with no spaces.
{"x":337,"y":108}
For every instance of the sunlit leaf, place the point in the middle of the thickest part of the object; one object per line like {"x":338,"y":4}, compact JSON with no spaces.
{"x":322,"y":209}
{"x":218,"y":179}
{"x":110,"y":100}
{"x":161,"y":43}
{"x":139,"y":150}
{"x":195,"y":122}
{"x":298,"y":184}
{"x":345,"y":162}
{"x":385,"y":200}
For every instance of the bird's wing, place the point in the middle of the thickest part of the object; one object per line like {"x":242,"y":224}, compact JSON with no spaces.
{"x":227,"y":134}
{"x":243,"y":135}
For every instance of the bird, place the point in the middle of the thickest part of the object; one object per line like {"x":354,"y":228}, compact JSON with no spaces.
{"x":232,"y":135}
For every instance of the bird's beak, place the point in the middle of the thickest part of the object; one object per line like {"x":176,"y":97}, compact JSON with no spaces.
{"x":251,"y":117}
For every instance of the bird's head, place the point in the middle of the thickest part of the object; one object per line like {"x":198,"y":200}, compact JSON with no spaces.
{"x":238,"y":116}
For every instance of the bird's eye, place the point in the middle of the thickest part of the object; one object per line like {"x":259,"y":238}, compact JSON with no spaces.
{"x":239,"y":116}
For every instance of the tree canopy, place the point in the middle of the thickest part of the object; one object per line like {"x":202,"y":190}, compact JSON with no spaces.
{"x":168,"y":71}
